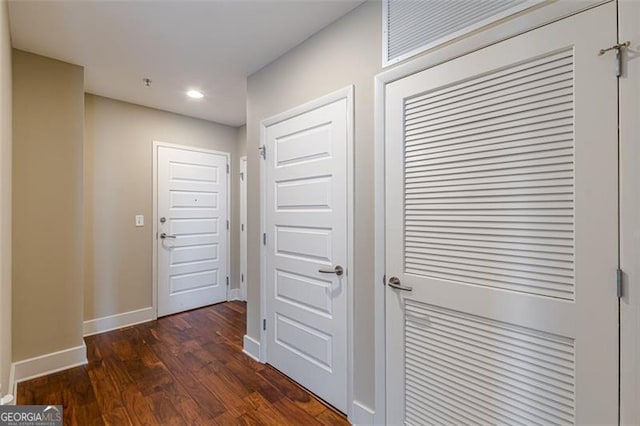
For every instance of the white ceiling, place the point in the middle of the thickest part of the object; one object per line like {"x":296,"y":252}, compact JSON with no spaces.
{"x":210,"y":45}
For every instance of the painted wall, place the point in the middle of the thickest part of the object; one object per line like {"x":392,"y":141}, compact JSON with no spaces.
{"x":118,"y":185}
{"x":242,"y":142}
{"x":346,"y":52}
{"x":5,"y":200}
{"x":48,"y":111}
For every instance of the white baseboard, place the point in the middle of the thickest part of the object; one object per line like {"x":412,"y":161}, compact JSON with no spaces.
{"x":251,"y":347}
{"x":113,"y":322}
{"x":234,"y":294}
{"x":47,"y":364}
{"x":13,"y":386}
{"x":361,"y":414}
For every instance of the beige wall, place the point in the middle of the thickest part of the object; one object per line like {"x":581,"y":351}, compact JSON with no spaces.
{"x":347,"y":52}
{"x":5,"y":200}
{"x":118,"y":185}
{"x":48,"y":109}
{"x":241,"y":144}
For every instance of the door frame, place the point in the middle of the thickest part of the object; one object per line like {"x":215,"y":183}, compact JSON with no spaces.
{"x":348,"y":94}
{"x":154,"y":233}
{"x":243,"y":231}
{"x":629,"y":150}
{"x":537,"y":17}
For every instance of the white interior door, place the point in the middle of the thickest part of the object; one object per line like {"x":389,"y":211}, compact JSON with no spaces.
{"x":501,"y":210}
{"x":243,"y":228}
{"x":306,"y":234}
{"x":192,"y":229}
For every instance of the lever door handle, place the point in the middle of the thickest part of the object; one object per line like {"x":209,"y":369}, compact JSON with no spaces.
{"x":338,"y":270}
{"x":164,"y":235}
{"x":395,"y":283}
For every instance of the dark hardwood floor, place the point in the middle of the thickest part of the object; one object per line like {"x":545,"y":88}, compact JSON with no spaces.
{"x":186,"y":369}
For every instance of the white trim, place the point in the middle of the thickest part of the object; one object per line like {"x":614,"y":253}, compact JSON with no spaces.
{"x":478,"y":26}
{"x":154,"y":259}
{"x":234,"y":294}
{"x":263,"y":253}
{"x":251,"y":347}
{"x":361,"y":414}
{"x":114,"y":322}
{"x":243,"y":232}
{"x":629,"y":86}
{"x":514,"y":27}
{"x":348,"y":94}
{"x":47,"y":364}
{"x":379,"y":254}
{"x":13,"y":386}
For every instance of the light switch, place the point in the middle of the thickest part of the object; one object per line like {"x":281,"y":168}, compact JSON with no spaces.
{"x":139,"y":220}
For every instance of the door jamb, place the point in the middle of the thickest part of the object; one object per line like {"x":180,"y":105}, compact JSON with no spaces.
{"x":154,"y":233}
{"x":629,"y":205}
{"x":348,"y":94}
{"x":243,"y":233}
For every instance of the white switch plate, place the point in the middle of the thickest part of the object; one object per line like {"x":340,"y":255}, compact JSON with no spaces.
{"x":139,"y":220}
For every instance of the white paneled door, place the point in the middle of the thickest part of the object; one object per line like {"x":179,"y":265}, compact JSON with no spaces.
{"x":501,"y":227}
{"x":192,"y":229}
{"x":306,"y":249}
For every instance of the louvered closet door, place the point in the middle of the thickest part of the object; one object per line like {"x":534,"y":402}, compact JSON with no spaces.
{"x":501,"y":195}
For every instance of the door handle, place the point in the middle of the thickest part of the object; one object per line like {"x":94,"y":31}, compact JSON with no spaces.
{"x":338,"y":270}
{"x":164,"y":235}
{"x":395,"y":283}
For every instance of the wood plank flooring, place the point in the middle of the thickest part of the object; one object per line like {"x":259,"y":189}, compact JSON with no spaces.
{"x":186,"y":369}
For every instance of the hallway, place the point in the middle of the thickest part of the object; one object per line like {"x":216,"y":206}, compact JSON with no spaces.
{"x":185,"y":369}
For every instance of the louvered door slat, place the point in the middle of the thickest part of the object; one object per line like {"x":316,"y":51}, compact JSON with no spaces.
{"x":520,"y":88}
{"x":499,"y":181}
{"x":540,"y":103}
{"x":513,"y":258}
{"x":491,"y":145}
{"x":483,"y":153}
{"x":560,"y":253}
{"x":537,"y":127}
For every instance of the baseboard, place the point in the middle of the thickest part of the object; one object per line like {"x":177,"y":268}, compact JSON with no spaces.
{"x":361,"y":414}
{"x":114,"y":322}
{"x":251,"y":347}
{"x":47,"y":364}
{"x":234,"y":294}
{"x":13,"y":386}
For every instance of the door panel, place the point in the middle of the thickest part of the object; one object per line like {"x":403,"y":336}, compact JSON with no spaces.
{"x":502,"y":218}
{"x":192,"y":260}
{"x":306,"y":224}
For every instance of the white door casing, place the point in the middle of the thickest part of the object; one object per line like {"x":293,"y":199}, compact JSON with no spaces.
{"x":243,"y":228}
{"x":192,"y":230}
{"x":307,"y":216}
{"x":501,"y":214}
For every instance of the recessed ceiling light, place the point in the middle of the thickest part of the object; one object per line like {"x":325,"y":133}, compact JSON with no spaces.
{"x":195,"y":94}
